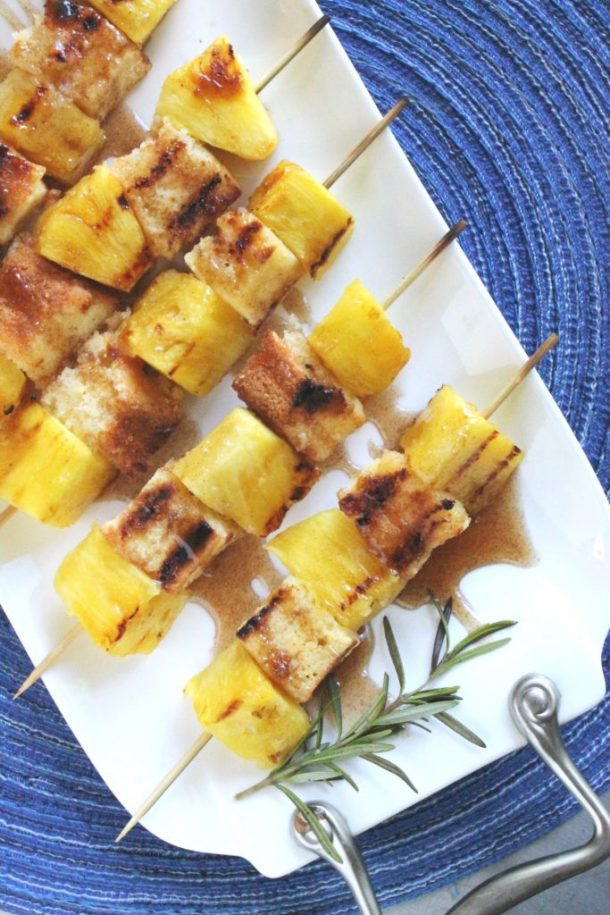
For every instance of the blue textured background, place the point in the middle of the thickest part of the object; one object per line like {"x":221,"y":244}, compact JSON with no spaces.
{"x":507,"y":128}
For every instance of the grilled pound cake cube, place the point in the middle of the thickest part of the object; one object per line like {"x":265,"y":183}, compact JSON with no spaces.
{"x":246,"y":472}
{"x":330,"y":556}
{"x":175,"y":187}
{"x":401,"y":518}
{"x":359,"y":344}
{"x":21,"y":189}
{"x":295,"y":642}
{"x":45,"y":470}
{"x":453,"y":447}
{"x":47,"y":128}
{"x":122,"y":609}
{"x":291,"y":390}
{"x":304,"y":215}
{"x":12,"y":386}
{"x":46,"y":313}
{"x":236,"y":703}
{"x":92,"y":231}
{"x":82,"y":54}
{"x":212,"y":97}
{"x":136,"y":18}
{"x":169,"y":534}
{"x":185,"y":331}
{"x":245,"y":264}
{"x":121,"y":407}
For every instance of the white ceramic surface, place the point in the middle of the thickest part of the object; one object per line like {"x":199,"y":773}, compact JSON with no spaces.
{"x":129,"y":715}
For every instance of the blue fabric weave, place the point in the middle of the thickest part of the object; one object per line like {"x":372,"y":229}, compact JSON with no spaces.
{"x":507,"y":128}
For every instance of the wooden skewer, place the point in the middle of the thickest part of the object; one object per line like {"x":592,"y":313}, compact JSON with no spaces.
{"x":366,"y":142}
{"x":439,"y":247}
{"x":7,"y":514}
{"x":303,"y":41}
{"x":204,"y":739}
{"x":166,"y":783}
{"x":50,"y":659}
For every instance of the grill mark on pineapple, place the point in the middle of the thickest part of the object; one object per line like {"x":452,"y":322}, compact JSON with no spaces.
{"x":184,"y":553}
{"x":327,"y":251}
{"x":123,"y":626}
{"x":500,"y":466}
{"x":222,"y":78}
{"x":230,"y":710}
{"x":26,"y":112}
{"x":474,"y":457}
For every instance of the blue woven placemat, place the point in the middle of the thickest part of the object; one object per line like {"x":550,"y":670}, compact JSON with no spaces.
{"x":507,"y":128}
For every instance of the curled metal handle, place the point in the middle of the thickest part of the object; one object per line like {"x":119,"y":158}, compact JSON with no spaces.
{"x":534,"y":704}
{"x":352,"y":868}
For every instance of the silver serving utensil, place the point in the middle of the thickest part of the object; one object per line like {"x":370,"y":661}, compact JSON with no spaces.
{"x":534,"y":706}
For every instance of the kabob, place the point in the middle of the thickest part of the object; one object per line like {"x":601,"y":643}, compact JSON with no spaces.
{"x":345,"y":567}
{"x":127,"y":581}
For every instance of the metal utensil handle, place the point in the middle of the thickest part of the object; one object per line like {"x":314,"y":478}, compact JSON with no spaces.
{"x":534,"y":704}
{"x":352,"y":868}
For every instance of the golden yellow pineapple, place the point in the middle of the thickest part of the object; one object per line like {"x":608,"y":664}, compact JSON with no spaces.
{"x":136,"y":18}
{"x":46,"y":471}
{"x":307,"y":218}
{"x":358,"y":343}
{"x":328,"y":553}
{"x":12,"y":384}
{"x":453,"y":447}
{"x":43,"y":125}
{"x":92,"y":231}
{"x":21,"y":189}
{"x":212,"y":97}
{"x":246,"y":472}
{"x":184,"y":330}
{"x":236,"y":703}
{"x":123,"y":610}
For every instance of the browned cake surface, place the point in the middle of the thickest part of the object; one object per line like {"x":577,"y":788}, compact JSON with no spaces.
{"x":289,"y":387}
{"x":86,"y":57}
{"x":45,"y":312}
{"x":176,"y":189}
{"x":121,"y":407}
{"x":401,"y":519}
{"x":21,"y":188}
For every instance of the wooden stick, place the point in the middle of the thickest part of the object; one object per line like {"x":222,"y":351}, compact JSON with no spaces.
{"x":290,"y":55}
{"x":50,"y":659}
{"x":550,"y":343}
{"x":7,"y":514}
{"x":366,"y":142}
{"x":166,"y":783}
{"x":439,"y":247}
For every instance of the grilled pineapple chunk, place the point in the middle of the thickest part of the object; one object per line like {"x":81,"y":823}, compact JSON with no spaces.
{"x":136,"y":18}
{"x":45,"y":470}
{"x":451,"y":446}
{"x":123,"y":610}
{"x":330,"y":556}
{"x":236,"y":703}
{"x":359,"y":344}
{"x":290,"y":389}
{"x":92,"y":231}
{"x":294,"y":641}
{"x":12,"y":385}
{"x":246,"y":264}
{"x":21,"y":189}
{"x":401,"y":518}
{"x":181,"y":328}
{"x":82,"y":54}
{"x":246,"y":472}
{"x":118,"y":405}
{"x":304,"y":215}
{"x":213,"y":98}
{"x":176,"y":189}
{"x":45,"y":311}
{"x":44,"y":126}
{"x":169,"y":534}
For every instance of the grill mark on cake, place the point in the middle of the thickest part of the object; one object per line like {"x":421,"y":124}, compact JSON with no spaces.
{"x":146,"y":512}
{"x":246,"y":238}
{"x":376,"y":492}
{"x":61,"y":10}
{"x":327,"y":251}
{"x":163,"y":163}
{"x":314,"y":396}
{"x":205,"y":204}
{"x":257,"y":621}
{"x":26,"y":112}
{"x":182,"y":555}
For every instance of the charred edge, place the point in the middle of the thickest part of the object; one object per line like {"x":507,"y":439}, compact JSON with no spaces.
{"x":221,"y":76}
{"x":230,"y":709}
{"x":61,"y":10}
{"x":205,"y":204}
{"x":24,"y":115}
{"x":256,"y":622}
{"x":183,"y":554}
{"x":123,"y":202}
{"x":4,"y":152}
{"x":91,"y":22}
{"x":246,"y":238}
{"x":329,"y":248}
{"x":146,"y":512}
{"x":474,"y":457}
{"x":313,"y":396}
{"x":415,"y":544}
{"x":164,"y":162}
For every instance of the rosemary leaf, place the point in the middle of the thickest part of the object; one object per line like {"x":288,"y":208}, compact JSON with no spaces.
{"x":453,"y":661}
{"x":481,"y":632}
{"x":390,"y":767}
{"x":373,"y":711}
{"x":314,"y":823}
{"x":442,"y":633}
{"x":461,"y":729}
{"x":394,"y":653}
{"x":334,"y":694}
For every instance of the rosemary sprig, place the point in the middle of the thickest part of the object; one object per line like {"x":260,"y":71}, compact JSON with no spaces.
{"x":317,"y":759}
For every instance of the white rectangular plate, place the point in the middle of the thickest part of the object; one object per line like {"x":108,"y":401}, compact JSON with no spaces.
{"x":129,"y":715}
